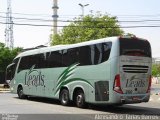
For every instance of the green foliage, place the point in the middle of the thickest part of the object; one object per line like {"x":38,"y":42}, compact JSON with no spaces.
{"x":6,"y":56}
{"x":88,"y":28}
{"x":156,"y":70}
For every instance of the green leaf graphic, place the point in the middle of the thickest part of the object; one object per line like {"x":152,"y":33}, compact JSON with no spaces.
{"x":68,"y":70}
{"x":133,"y":77}
{"x":63,"y":79}
{"x":66,"y":73}
{"x":31,"y":69}
{"x":72,"y":80}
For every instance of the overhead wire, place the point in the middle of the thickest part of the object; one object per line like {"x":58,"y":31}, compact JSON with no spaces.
{"x":49,"y":20}
{"x":42,"y":25}
{"x":120,"y":15}
{"x":27,"y":21}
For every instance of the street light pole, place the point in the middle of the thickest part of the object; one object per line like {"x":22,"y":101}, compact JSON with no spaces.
{"x":82,"y":7}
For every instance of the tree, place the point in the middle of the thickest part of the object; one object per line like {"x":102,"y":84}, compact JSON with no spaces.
{"x":156,"y":70}
{"x":88,"y":28}
{"x":6,"y":56}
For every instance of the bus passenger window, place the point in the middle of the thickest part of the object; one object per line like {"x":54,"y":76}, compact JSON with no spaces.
{"x":85,"y":55}
{"x":54,"y":59}
{"x":70,"y":56}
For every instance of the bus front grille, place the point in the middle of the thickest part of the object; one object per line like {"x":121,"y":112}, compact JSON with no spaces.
{"x":135,"y":69}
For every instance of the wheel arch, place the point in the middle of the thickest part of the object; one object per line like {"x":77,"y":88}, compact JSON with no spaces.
{"x":62,"y":88}
{"x":75,"y":91}
{"x":19,"y":86}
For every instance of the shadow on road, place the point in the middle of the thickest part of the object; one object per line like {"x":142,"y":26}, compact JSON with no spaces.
{"x":128,"y":109}
{"x":43,"y":100}
{"x":125,"y":109}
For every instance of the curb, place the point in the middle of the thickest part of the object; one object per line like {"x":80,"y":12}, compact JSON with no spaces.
{"x":155,"y":93}
{"x":154,"y":98}
{"x":4,"y":90}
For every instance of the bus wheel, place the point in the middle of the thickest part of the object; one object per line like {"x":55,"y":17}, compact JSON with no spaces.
{"x":20,"y":93}
{"x":80,"y":99}
{"x":64,"y":97}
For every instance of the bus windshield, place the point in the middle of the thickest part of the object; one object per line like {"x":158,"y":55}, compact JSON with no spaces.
{"x":134,"y":47}
{"x":10,"y":72}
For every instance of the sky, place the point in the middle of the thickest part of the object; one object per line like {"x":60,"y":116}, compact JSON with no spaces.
{"x":146,"y":11}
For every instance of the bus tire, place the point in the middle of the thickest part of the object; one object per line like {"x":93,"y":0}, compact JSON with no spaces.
{"x":20,"y":93}
{"x":80,"y":99}
{"x":64,"y":97}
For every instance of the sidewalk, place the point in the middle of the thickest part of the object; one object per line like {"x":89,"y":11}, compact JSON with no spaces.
{"x":155,"y":85}
{"x":155,"y":93}
{"x":155,"y":89}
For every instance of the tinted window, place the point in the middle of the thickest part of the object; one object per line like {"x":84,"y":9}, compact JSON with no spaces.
{"x":85,"y":55}
{"x":100,"y":52}
{"x":94,"y":54}
{"x":70,"y":56}
{"x":28,"y":61}
{"x":54,"y":59}
{"x":40,"y":62}
{"x":134,"y":47}
{"x":10,"y":72}
{"x":106,"y":49}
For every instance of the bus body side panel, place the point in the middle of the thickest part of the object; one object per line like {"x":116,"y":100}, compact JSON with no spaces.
{"x":114,"y":64}
{"x":98,"y":76}
{"x":13,"y":87}
{"x":84,"y":77}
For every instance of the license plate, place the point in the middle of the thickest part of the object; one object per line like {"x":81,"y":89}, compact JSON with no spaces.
{"x":135,"y":98}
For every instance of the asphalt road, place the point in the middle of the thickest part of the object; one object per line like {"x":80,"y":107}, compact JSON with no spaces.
{"x":49,"y":109}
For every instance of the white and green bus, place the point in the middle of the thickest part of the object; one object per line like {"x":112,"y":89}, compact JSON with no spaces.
{"x":113,"y":70}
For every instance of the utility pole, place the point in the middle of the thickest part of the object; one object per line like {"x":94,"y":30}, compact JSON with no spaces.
{"x":82,"y":7}
{"x":55,"y":16}
{"x":9,"y":41}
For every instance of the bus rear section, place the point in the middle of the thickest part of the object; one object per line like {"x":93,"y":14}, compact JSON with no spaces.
{"x":132,"y":84}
